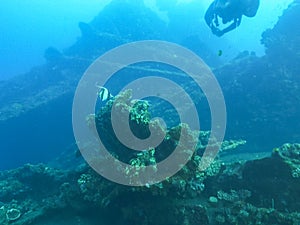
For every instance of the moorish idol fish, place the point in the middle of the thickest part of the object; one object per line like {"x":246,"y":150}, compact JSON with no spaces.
{"x":103,"y":93}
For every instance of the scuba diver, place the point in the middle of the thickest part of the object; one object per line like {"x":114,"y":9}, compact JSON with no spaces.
{"x":229,"y":11}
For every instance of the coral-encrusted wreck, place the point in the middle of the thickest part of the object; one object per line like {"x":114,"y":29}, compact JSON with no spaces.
{"x":257,"y":191}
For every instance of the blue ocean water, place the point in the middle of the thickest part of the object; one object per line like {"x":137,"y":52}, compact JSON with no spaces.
{"x":49,"y":53}
{"x":29,"y":27}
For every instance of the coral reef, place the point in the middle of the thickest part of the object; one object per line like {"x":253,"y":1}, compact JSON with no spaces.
{"x":13,"y":214}
{"x":261,"y":191}
{"x":282,"y":41}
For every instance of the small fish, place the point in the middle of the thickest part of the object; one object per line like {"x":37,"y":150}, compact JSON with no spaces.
{"x":103,"y":93}
{"x":220,"y":52}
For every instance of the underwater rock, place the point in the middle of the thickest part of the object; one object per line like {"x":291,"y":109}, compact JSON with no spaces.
{"x":86,"y":30}
{"x":262,"y":194}
{"x":52,"y":55}
{"x":213,"y":199}
{"x":13,"y":214}
{"x":273,"y":182}
{"x":2,"y":215}
{"x":282,"y":41}
{"x":267,"y":104}
{"x":131,"y":20}
{"x":93,"y":43}
{"x":290,"y":154}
